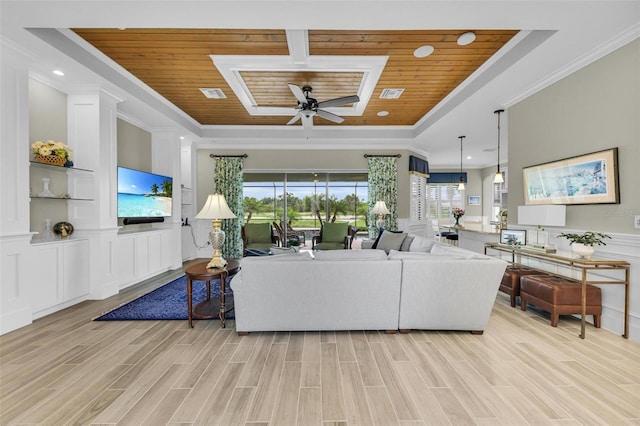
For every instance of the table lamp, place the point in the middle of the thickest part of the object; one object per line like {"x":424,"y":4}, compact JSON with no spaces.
{"x":542,"y":215}
{"x":380,"y":209}
{"x":216,"y":208}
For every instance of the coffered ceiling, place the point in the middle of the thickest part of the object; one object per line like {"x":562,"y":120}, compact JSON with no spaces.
{"x":258,"y":65}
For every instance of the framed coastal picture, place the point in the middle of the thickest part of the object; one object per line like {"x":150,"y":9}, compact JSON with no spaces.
{"x":585,"y":179}
{"x":513,"y":237}
{"x":473,"y":200}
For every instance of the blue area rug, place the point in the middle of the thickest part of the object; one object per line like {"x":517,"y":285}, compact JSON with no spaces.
{"x":168,"y":302}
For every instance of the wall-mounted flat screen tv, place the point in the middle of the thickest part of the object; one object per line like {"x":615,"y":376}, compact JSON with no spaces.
{"x":143,"y":194}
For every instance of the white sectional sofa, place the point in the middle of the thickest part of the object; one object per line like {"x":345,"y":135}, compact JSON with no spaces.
{"x":331,"y":292}
{"x":439,"y":287}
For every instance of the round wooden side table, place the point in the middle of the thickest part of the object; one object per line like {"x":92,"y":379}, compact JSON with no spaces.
{"x":209,"y":308}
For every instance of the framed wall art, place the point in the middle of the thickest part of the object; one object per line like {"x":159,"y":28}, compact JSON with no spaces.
{"x":585,"y":179}
{"x":473,"y":200}
{"x":513,"y":237}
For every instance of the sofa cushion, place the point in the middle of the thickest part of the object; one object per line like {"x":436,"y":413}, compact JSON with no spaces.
{"x":395,"y":254}
{"x":457,"y":252}
{"x":400,"y":255}
{"x":421,"y":244}
{"x":350,"y":255}
{"x":391,"y":241}
{"x":305,"y":256}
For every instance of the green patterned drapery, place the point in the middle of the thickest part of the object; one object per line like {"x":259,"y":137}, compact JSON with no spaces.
{"x":228,"y":179}
{"x":383,"y":185}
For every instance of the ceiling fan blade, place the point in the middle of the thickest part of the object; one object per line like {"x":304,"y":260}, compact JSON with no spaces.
{"x":339,"y":101}
{"x":295,"y":118}
{"x":298,"y":93}
{"x":330,"y":116}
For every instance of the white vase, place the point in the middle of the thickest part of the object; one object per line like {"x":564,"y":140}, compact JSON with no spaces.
{"x":582,"y":250}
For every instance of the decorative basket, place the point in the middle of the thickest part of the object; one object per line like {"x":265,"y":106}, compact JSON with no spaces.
{"x":53,"y":160}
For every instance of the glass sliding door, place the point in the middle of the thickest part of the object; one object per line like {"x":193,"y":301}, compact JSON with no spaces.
{"x":348,"y":195}
{"x":301,"y":202}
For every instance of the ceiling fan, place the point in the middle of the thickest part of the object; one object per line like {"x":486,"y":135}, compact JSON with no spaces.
{"x":308,"y":106}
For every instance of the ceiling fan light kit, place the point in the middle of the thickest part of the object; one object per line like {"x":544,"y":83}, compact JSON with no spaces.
{"x":308,"y":106}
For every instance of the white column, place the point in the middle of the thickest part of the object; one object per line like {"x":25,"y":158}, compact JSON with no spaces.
{"x":92,"y":129}
{"x":15,"y":310}
{"x":166,"y":160}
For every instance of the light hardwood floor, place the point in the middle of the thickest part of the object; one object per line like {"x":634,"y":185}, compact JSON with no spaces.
{"x":68,"y":369}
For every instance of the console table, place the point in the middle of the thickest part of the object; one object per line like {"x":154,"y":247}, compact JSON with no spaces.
{"x":209,"y":308}
{"x":587,"y":271}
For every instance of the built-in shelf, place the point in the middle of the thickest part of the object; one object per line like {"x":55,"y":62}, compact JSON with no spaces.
{"x":59,"y":168}
{"x":61,"y":198}
{"x":65,"y":191}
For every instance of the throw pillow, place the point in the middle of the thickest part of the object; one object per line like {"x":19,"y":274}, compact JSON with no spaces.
{"x":421,"y":244}
{"x":391,"y":241}
{"x":406,"y":244}
{"x":380,"y":232}
{"x":375,"y":243}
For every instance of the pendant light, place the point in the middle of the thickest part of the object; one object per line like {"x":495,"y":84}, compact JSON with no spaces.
{"x":498,"y":178}
{"x":461,"y":184}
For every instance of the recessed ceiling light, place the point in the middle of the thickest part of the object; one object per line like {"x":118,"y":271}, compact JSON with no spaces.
{"x":469,"y":157}
{"x":423,"y":51}
{"x":466,"y":38}
{"x":58,"y":72}
{"x":383,"y":113}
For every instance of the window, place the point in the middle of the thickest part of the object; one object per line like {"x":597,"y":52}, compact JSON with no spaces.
{"x":442,"y":198}
{"x":309,"y":198}
{"x":418,"y":209}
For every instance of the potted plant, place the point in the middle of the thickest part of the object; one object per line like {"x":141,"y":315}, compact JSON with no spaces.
{"x":52,"y":152}
{"x":584,"y":244}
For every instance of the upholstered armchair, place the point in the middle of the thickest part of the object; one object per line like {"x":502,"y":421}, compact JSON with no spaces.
{"x":333,"y":236}
{"x":258,"y":236}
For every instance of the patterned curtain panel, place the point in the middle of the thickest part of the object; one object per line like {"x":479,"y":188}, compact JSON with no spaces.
{"x":383,"y":185}
{"x":228,"y":182}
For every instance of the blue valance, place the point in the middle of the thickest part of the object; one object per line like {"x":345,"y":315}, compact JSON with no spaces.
{"x":447,"y":177}
{"x":418,"y":166}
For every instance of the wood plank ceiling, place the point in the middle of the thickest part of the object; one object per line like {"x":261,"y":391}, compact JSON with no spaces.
{"x":176,"y":64}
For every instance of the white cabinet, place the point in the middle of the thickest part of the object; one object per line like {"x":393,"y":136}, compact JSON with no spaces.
{"x":142,"y":255}
{"x":60,"y":276}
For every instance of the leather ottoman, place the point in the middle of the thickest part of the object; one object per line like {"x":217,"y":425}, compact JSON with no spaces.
{"x":559,"y":296}
{"x":510,"y":283}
